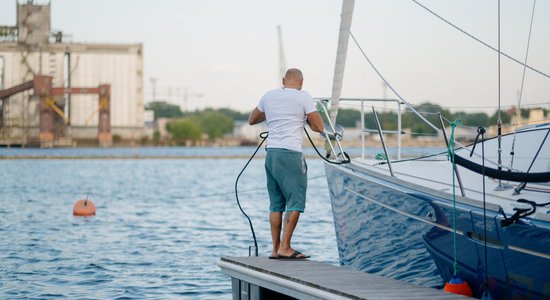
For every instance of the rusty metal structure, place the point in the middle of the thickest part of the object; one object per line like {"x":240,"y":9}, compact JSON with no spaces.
{"x":55,"y":92}
{"x":50,"y":114}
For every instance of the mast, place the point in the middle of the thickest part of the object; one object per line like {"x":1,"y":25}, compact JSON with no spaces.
{"x":282,"y":60}
{"x":341,"y":52}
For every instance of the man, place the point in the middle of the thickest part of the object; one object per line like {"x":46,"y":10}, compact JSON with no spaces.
{"x":286,"y":111}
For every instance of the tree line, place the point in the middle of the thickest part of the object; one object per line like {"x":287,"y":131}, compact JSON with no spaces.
{"x":212,"y":123}
{"x":388,"y":119}
{"x":196,"y":125}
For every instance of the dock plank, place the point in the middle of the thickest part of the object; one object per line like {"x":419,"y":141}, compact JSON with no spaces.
{"x":289,"y":276}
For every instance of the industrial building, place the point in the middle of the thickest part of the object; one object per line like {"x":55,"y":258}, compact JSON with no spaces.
{"x":59,"y":93}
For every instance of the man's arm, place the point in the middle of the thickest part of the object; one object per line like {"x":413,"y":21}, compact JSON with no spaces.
{"x":315,"y":121}
{"x":256,"y":116}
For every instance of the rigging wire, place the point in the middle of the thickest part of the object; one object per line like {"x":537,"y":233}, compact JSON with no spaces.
{"x":499,"y":164}
{"x":389,"y":85}
{"x":397,"y":94}
{"x":393,"y":90}
{"x":450,"y":107}
{"x":521,"y":88}
{"x":480,"y":41}
{"x":499,"y":121}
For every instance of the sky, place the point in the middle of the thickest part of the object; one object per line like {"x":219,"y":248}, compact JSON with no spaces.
{"x":225,"y":53}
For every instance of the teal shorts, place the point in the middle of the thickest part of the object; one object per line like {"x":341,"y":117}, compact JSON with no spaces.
{"x":286,"y":172}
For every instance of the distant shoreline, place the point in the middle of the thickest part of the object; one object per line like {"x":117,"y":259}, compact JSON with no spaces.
{"x":166,"y":153}
{"x":22,"y":157}
{"x":258,"y":156}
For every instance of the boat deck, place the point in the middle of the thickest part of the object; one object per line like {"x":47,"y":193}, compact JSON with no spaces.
{"x":437,"y":175}
{"x":263,"y":278}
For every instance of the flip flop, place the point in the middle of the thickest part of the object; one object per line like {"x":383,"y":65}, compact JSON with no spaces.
{"x":273,"y":257}
{"x":294,"y":256}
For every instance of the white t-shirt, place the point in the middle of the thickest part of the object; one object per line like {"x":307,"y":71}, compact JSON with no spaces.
{"x":285,"y":112}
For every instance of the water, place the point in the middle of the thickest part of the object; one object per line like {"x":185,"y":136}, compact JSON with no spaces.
{"x":160,"y":228}
{"x":179,"y":152}
{"x":161,"y":224}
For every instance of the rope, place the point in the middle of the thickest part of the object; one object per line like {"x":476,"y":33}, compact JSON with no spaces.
{"x":464,"y":126}
{"x":481,"y":131}
{"x":451,"y":154}
{"x":263,"y":135}
{"x":475,"y":154}
{"x":346,"y":160}
{"x":522,"y":212}
{"x":480,"y":41}
{"x":521,"y":88}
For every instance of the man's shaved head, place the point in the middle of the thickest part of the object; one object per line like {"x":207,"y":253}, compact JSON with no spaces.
{"x":293,"y":79}
{"x":294,"y":74}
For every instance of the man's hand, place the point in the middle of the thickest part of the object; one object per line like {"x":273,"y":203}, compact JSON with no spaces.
{"x":331,"y":135}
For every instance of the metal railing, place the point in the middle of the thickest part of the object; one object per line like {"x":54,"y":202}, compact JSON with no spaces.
{"x":324,"y":105}
{"x":362,"y":102}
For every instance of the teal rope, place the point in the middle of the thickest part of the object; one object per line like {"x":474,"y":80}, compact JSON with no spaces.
{"x":451,"y":154}
{"x":380,"y":156}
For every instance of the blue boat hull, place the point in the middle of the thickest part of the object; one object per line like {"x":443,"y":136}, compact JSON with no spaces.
{"x":393,"y":229}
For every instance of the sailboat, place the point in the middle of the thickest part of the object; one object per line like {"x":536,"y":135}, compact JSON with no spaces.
{"x":447,"y":212}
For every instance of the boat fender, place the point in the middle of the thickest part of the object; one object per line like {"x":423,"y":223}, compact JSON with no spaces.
{"x":458,"y":286}
{"x":84,"y":207}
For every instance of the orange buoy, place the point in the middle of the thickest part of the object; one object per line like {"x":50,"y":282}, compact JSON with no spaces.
{"x":458,"y":286}
{"x":84,"y":207}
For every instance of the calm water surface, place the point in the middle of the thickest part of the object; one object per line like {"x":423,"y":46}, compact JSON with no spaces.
{"x":179,"y":152}
{"x":160,"y":228}
{"x":161,"y":224}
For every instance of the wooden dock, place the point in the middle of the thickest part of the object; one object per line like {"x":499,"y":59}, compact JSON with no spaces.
{"x":263,"y":278}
